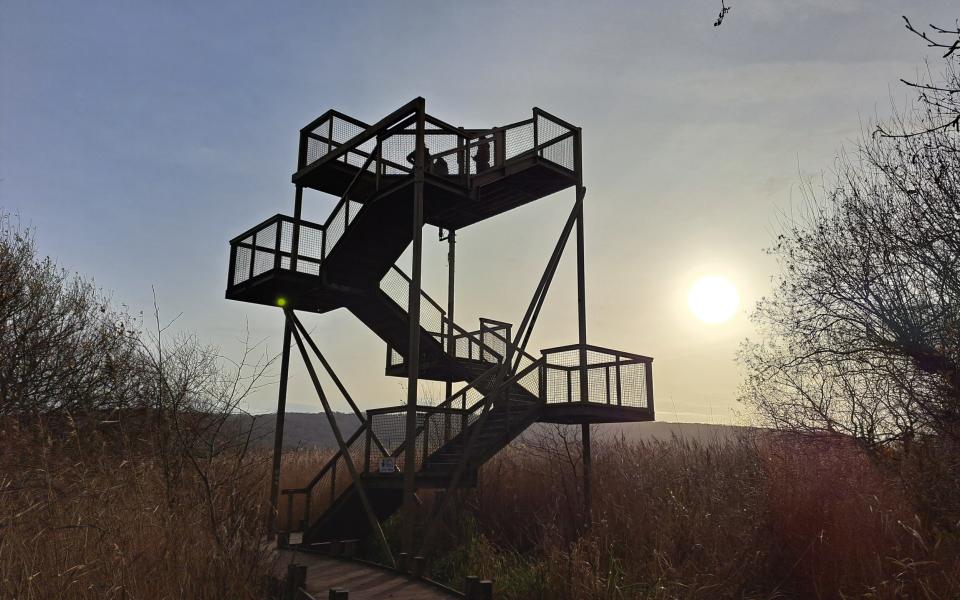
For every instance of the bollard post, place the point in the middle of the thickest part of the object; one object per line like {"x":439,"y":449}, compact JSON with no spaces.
{"x":418,"y":562}
{"x":338,"y":594}
{"x":402,"y":562}
{"x":296,"y":579}
{"x":485,"y":590}
{"x":470,"y":587}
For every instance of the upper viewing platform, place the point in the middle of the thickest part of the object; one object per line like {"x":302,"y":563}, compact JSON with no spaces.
{"x":469,"y":174}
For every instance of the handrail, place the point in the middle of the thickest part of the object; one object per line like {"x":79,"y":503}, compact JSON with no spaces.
{"x":422,"y":293}
{"x":542,"y":113}
{"x":279,"y":217}
{"x":595,"y":348}
{"x":448,"y":401}
{"x":369,"y":133}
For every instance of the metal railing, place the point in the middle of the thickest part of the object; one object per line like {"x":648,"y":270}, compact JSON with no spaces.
{"x":330,"y":482}
{"x":385,"y":150}
{"x":455,"y":153}
{"x":614,"y":377}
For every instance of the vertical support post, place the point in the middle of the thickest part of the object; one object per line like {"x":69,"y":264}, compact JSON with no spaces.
{"x":451,"y":342}
{"x":648,"y":372}
{"x":582,"y":322}
{"x":278,"y":429}
{"x":295,"y":240}
{"x":413,"y":350}
{"x":276,"y":245}
{"x":366,"y":449}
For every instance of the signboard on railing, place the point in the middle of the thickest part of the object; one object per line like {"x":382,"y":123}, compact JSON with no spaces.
{"x":388,"y":465}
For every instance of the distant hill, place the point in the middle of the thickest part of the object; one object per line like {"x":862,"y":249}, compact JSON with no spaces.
{"x":303,"y":430}
{"x":312,"y":430}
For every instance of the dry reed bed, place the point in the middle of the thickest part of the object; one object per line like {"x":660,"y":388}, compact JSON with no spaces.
{"x":77,"y":520}
{"x":767,"y":517}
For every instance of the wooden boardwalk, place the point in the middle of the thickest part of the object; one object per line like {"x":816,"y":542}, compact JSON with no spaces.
{"x":364,"y":582}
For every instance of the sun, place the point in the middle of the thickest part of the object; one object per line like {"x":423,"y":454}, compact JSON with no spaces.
{"x":713,"y":299}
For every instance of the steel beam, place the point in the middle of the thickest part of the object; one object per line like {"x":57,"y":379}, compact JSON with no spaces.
{"x":278,"y":431}
{"x":413,"y":350}
{"x":344,"y":450}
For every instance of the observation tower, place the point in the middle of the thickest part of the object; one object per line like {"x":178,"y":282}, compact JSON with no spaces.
{"x":394,"y":177}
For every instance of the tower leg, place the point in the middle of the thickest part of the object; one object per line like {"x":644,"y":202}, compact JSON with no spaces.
{"x":451,"y":343}
{"x":278,"y":431}
{"x":584,"y":384}
{"x":413,"y":352}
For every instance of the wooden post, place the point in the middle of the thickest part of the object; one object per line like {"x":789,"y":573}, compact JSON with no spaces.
{"x":296,"y":579}
{"x":470,"y":587}
{"x":485,"y":590}
{"x":413,"y":350}
{"x":278,"y":430}
{"x":418,"y":565}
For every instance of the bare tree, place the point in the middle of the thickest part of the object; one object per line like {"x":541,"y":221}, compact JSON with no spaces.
{"x":63,"y":347}
{"x":940,"y":99}
{"x":862,"y":332}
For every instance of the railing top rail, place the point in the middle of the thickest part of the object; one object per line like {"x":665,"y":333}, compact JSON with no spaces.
{"x":270,"y":221}
{"x":265,"y":223}
{"x":637,"y":357}
{"x":550,"y":117}
{"x":517,"y":124}
{"x":510,"y":381}
{"x":484,"y":320}
{"x":445,"y":126}
{"x":371,"y":131}
{"x":332,"y":113}
{"x":422,"y":293}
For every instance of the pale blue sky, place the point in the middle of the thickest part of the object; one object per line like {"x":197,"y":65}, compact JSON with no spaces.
{"x":139,"y":137}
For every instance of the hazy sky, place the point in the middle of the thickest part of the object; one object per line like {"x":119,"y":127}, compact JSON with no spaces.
{"x":139,"y":137}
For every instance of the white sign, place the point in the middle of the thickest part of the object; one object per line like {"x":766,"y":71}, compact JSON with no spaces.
{"x":388,"y":465}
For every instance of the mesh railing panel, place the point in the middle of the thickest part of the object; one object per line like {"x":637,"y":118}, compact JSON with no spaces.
{"x":493,"y":340}
{"x":434,"y":427}
{"x":548,"y":130}
{"x":611,"y":378}
{"x":338,"y":222}
{"x":241,"y":267}
{"x":257,"y":253}
{"x":396,"y":286}
{"x":396,"y":149}
{"x":560,"y":152}
{"x":518,"y":140}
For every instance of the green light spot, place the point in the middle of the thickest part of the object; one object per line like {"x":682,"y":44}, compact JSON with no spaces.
{"x":281,"y":301}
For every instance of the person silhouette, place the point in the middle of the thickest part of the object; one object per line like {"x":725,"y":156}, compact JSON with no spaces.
{"x":427,"y":163}
{"x":440,"y":166}
{"x":482,"y":157}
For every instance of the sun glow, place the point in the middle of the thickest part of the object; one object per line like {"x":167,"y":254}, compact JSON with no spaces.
{"x":713,"y":299}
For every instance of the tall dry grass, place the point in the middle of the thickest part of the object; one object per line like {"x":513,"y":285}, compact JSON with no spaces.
{"x":761,"y":517}
{"x":81,"y":517}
